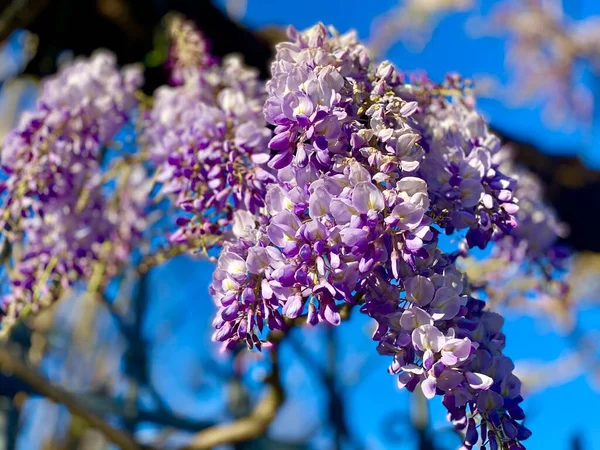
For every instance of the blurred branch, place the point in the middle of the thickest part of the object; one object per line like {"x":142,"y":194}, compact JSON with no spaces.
{"x":18,"y":14}
{"x":10,"y":363}
{"x":577,"y":442}
{"x":135,"y":359}
{"x":137,"y":368}
{"x":336,"y":403}
{"x":251,"y":426}
{"x":328,"y":375}
{"x":12,"y":426}
{"x":10,"y":386}
{"x":170,"y":251}
{"x":419,"y":419}
{"x":104,"y":406}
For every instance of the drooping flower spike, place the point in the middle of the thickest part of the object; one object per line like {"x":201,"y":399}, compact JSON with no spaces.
{"x":209,"y":138}
{"x":328,"y":186}
{"x":56,"y":217}
{"x":371,"y":169}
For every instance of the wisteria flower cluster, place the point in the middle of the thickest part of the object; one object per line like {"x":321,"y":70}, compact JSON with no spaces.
{"x":326,"y":188}
{"x":189,"y":52}
{"x":57,"y":215}
{"x":526,"y":268}
{"x":469,"y":189}
{"x":209,"y":138}
{"x":370,"y":170}
{"x":537,"y":238}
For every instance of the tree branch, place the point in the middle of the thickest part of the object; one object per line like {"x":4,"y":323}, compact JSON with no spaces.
{"x":12,"y":364}
{"x":336,"y":402}
{"x":256,"y":423}
{"x":170,"y":251}
{"x":101,"y":405}
{"x":252,"y":426}
{"x":19,"y":14}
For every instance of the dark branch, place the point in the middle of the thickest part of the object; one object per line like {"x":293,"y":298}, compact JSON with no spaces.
{"x":251,"y":426}
{"x":11,"y":364}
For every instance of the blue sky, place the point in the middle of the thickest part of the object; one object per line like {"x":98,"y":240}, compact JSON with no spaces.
{"x":177,"y":328}
{"x":559,"y":412}
{"x":177,"y":332}
{"x":451,"y":49}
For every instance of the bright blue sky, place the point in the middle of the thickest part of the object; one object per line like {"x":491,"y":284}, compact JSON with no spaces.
{"x":559,"y":412}
{"x":451,"y":49}
{"x":177,"y":327}
{"x":555,"y":415}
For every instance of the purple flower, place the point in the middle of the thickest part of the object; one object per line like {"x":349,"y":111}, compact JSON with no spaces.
{"x":370,"y":170}
{"x":419,"y":289}
{"x":210,"y":139}
{"x":366,"y":197}
{"x":55,"y":207}
{"x":428,"y":337}
{"x":406,"y":216}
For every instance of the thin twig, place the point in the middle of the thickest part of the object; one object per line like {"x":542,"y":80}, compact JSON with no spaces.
{"x":102,"y":405}
{"x":172,"y":250}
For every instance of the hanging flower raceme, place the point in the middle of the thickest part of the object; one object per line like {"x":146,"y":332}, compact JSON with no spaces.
{"x":209,"y":138}
{"x":328,"y":188}
{"x":469,"y":191}
{"x":56,"y":218}
{"x":525,"y":268}
{"x":539,"y":231}
{"x":189,"y":52}
{"x":369,"y":170}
